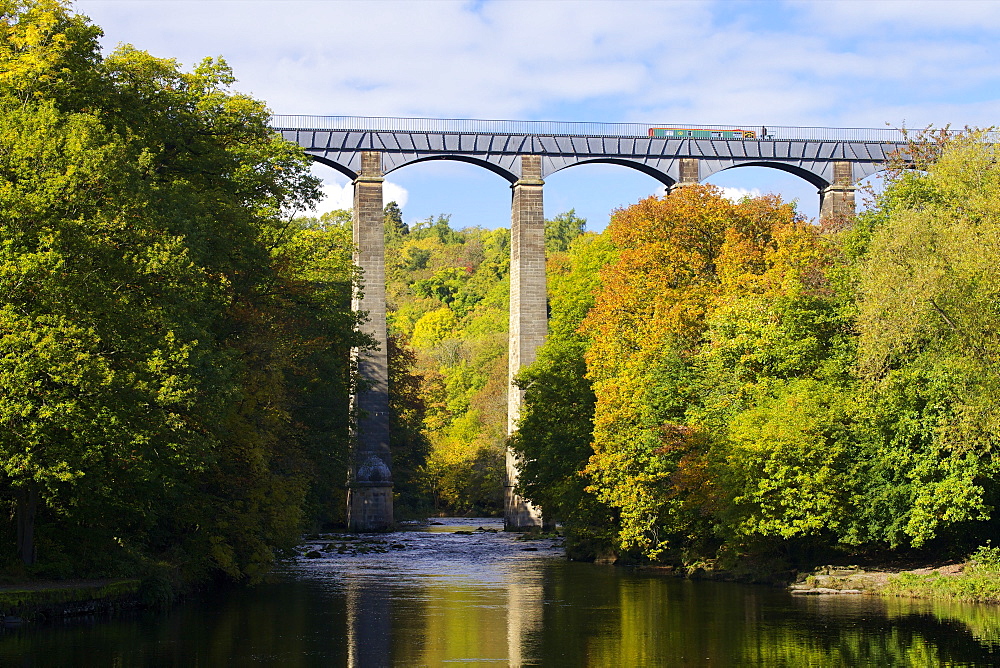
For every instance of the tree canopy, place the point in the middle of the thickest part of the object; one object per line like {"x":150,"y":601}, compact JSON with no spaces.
{"x":168,"y":334}
{"x":740,"y":382}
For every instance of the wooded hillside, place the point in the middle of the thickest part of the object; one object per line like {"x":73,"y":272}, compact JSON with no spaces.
{"x":749,"y":384}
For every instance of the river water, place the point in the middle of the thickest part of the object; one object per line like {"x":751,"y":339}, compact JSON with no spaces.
{"x":432,"y":597}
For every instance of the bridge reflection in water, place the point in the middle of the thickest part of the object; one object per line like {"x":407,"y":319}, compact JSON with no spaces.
{"x":481,"y":599}
{"x":473,"y":597}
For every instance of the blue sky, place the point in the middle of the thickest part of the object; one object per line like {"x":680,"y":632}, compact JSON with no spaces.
{"x":821,"y":63}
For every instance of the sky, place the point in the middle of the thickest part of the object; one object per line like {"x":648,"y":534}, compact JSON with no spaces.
{"x":829,"y":63}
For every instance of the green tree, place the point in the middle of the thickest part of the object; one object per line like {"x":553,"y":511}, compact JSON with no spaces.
{"x":440,"y":228}
{"x":162,"y":340}
{"x":561,"y":230}
{"x":395,"y":228}
{"x":929,"y":331}
{"x":555,"y":429}
{"x":444,"y":285}
{"x":410,"y":445}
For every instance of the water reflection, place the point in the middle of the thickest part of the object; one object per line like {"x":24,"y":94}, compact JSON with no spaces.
{"x":483,"y":600}
{"x":525,"y":613}
{"x":446,"y":597}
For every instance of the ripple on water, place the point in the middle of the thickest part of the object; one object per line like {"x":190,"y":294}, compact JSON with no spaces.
{"x":462,"y":550}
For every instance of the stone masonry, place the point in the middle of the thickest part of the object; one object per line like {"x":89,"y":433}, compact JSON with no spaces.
{"x":528,"y":318}
{"x":690,"y":172}
{"x":369,"y":496}
{"x":837,"y":199}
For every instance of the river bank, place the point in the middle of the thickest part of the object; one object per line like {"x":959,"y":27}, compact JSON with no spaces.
{"x":969,"y":581}
{"x":972,"y":581}
{"x":47,"y":599}
{"x":975,"y":580}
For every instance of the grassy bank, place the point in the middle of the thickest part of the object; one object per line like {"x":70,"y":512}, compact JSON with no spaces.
{"x":30,"y":601}
{"x":977,"y":580}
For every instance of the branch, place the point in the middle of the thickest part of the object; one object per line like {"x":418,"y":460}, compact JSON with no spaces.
{"x":943,"y":315}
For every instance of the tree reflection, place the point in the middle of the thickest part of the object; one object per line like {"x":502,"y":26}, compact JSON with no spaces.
{"x":519,"y":613}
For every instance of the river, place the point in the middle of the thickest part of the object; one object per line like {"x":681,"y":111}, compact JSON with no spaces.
{"x":429,"y":596}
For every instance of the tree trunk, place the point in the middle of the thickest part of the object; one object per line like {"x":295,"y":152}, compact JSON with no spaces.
{"x":27,"y":504}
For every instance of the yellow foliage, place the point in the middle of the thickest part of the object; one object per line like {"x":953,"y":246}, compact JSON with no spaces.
{"x":433,"y":327}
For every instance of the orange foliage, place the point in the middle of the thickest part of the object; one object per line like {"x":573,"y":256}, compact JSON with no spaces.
{"x":680,"y":256}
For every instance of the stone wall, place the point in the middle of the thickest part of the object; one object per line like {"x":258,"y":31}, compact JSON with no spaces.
{"x":369,"y":501}
{"x":528,"y":316}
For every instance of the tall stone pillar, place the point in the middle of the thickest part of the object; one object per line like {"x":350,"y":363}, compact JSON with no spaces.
{"x":689,"y":173}
{"x":528,"y":318}
{"x":836,"y":201}
{"x":369,"y":495}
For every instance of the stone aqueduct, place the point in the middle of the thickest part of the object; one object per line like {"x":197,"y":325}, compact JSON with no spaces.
{"x":525,"y":153}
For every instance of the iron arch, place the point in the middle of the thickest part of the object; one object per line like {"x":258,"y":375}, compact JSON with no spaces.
{"x":507,"y":175}
{"x":335,"y":165}
{"x":804,"y":174}
{"x":631,"y":164}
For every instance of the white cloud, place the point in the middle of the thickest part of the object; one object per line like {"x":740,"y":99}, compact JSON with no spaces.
{"x":731,"y":193}
{"x":736,"y":194}
{"x":787,"y":63}
{"x":340,"y":195}
{"x":392,"y":192}
{"x":890,"y":17}
{"x":335,"y":196}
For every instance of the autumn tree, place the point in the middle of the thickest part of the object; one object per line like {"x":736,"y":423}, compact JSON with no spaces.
{"x":647,"y":326}
{"x":775,"y":390}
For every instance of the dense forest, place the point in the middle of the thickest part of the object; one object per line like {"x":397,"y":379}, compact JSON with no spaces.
{"x":723,"y":382}
{"x":174,"y":347}
{"x":448,"y":292}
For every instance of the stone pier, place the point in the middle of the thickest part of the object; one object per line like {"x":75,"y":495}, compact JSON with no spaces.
{"x":528,"y":318}
{"x":689,"y":171}
{"x":837,"y":199}
{"x":369,"y":495}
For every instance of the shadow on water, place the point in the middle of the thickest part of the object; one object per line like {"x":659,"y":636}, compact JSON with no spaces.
{"x":482,"y":598}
